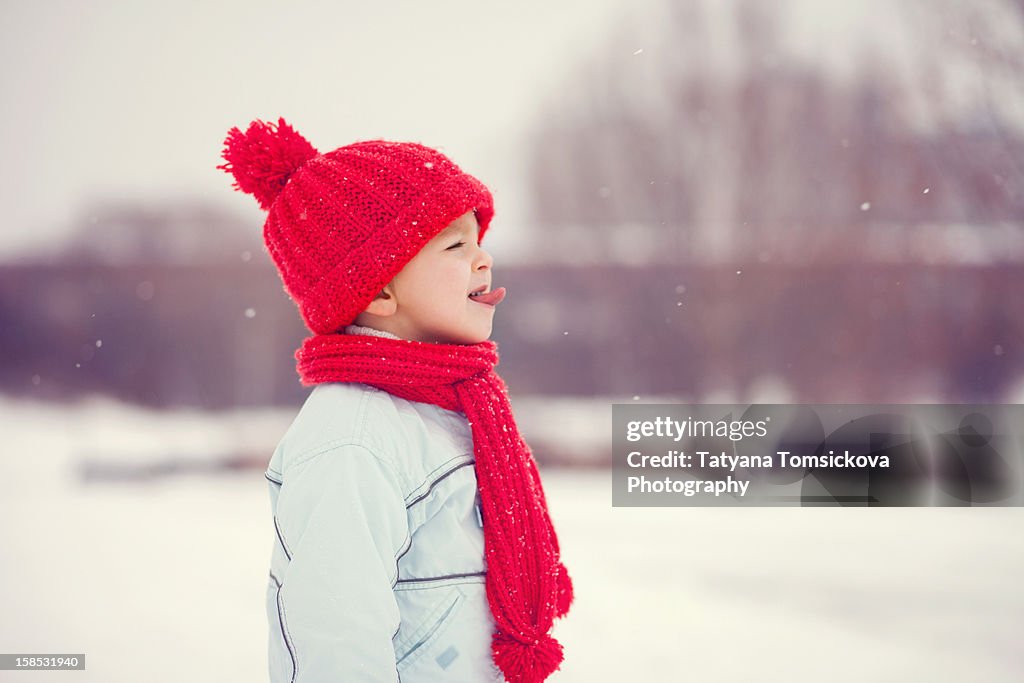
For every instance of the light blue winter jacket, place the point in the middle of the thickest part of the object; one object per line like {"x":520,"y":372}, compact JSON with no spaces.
{"x":377,"y":570}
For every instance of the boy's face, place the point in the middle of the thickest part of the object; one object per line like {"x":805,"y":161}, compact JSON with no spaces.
{"x":429,"y":298}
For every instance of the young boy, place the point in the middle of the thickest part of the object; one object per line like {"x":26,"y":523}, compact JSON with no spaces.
{"x":412,"y":537}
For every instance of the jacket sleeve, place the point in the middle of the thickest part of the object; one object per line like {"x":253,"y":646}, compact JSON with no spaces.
{"x":343,"y":520}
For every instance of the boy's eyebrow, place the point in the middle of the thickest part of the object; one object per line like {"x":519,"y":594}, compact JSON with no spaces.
{"x":452,"y":229}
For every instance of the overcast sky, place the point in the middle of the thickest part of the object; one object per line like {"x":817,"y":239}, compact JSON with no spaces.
{"x":131,"y":99}
{"x":134,"y":99}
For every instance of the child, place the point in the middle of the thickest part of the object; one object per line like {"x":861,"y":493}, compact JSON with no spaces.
{"x":413,"y":540}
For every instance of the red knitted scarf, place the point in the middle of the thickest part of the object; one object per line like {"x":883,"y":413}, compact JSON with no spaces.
{"x":527,"y":585}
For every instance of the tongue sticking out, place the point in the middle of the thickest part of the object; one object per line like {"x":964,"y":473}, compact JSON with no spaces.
{"x":492,"y":298}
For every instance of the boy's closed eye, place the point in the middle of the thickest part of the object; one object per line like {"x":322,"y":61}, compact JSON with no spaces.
{"x":456,"y":245}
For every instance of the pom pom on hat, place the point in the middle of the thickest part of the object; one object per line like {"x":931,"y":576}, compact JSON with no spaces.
{"x":263,"y":158}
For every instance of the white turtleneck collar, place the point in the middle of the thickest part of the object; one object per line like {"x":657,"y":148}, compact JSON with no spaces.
{"x":359,"y":329}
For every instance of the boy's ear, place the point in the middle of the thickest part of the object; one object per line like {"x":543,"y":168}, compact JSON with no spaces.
{"x":384,"y":304}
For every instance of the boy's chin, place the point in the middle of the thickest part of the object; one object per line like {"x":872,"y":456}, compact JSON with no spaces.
{"x":467,"y":341}
{"x":464,"y":339}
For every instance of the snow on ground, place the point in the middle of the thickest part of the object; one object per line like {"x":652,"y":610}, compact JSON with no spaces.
{"x":163,"y":579}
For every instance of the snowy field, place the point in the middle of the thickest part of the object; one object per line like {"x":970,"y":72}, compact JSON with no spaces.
{"x":163,"y":579}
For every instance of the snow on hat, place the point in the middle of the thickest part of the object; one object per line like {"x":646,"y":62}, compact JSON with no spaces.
{"x":341,"y":225}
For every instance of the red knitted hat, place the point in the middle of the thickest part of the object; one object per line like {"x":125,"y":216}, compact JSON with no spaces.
{"x":341,"y":225}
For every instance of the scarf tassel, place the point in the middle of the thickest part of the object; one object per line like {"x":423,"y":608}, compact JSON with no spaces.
{"x":526,"y":662}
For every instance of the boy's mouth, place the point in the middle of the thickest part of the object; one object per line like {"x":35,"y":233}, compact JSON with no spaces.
{"x":492,"y":298}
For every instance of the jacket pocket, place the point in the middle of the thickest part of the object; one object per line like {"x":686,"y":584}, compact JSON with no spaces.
{"x":419,"y":641}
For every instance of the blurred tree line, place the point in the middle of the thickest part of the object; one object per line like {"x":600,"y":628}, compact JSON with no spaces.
{"x":222,"y":335}
{"x":701,"y":149}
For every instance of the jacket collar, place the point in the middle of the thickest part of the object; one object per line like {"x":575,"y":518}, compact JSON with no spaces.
{"x":360,"y":329}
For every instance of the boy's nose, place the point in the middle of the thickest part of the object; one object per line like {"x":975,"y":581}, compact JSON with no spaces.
{"x":484,"y":260}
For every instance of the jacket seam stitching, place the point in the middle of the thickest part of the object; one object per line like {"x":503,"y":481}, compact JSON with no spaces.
{"x":442,"y":465}
{"x":341,"y":441}
{"x":398,"y":570}
{"x":453,"y":583}
{"x":285,"y":633}
{"x":431,"y":473}
{"x":394,"y":475}
{"x":435,"y":482}
{"x":378,"y":459}
{"x":408,"y":506}
{"x":360,"y":411}
{"x":333,"y":445}
{"x":280,"y":537}
{"x":326,"y":447}
{"x":443,"y":577}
